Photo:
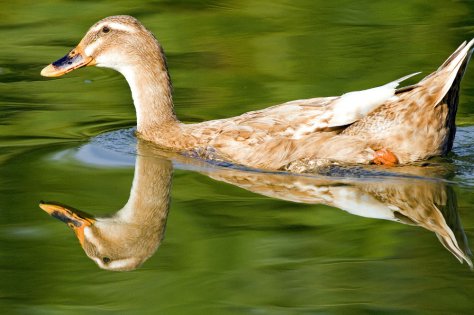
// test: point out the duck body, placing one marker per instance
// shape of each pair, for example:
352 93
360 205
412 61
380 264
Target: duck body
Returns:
381 125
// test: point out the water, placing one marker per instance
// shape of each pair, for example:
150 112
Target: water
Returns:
236 241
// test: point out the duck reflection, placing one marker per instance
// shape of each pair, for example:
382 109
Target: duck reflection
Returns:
126 239
129 237
427 203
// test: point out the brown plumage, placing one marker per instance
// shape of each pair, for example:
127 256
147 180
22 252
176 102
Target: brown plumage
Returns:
378 125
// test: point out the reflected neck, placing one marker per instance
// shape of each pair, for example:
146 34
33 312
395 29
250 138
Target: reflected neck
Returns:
149 199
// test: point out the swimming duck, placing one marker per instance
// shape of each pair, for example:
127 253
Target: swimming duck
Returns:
381 125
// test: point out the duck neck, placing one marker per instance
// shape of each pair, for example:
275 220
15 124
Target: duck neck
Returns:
151 88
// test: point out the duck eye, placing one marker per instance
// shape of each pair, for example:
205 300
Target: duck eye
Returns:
106 260
105 29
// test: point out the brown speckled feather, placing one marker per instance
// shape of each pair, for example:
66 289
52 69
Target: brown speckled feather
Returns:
421 122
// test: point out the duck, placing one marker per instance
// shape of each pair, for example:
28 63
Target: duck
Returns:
385 125
125 240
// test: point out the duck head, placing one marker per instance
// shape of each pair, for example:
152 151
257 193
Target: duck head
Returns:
115 42
123 44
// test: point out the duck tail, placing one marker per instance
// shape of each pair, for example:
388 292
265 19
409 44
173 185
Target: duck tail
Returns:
442 86
460 53
446 80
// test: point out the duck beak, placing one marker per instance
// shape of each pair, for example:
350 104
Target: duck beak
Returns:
75 59
75 219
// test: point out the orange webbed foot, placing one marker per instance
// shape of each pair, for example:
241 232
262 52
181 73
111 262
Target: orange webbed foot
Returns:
385 157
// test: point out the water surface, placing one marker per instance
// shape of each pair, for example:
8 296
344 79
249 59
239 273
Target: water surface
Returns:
236 241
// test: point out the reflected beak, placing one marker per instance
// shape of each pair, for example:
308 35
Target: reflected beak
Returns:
75 219
75 59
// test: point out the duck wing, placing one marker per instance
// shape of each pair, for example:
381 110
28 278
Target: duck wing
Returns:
299 118
277 135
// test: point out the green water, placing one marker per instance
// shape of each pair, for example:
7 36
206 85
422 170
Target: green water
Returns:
235 241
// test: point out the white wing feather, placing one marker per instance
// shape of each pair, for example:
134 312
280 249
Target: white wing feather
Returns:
349 107
353 106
